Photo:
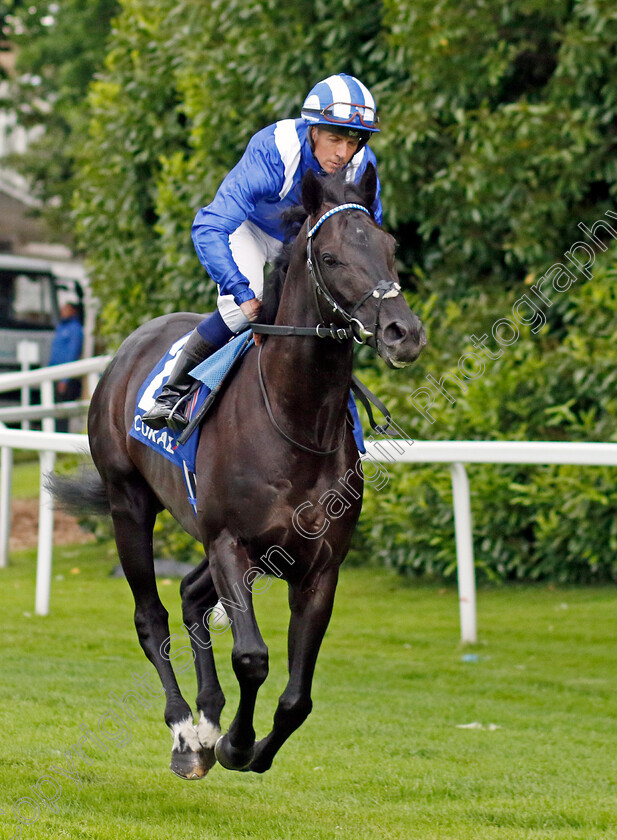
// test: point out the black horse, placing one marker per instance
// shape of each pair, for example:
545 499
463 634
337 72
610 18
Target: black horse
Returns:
269 457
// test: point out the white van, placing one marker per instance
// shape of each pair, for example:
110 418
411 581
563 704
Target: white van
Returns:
31 294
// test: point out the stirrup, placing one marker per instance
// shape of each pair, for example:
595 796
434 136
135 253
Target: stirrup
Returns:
177 420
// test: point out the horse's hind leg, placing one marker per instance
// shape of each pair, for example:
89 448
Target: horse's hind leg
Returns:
229 563
133 510
198 598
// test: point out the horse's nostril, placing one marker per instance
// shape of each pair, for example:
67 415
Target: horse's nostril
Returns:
395 332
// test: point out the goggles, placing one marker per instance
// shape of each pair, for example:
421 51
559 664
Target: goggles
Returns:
367 115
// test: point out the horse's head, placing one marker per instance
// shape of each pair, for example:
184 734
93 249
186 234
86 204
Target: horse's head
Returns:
353 268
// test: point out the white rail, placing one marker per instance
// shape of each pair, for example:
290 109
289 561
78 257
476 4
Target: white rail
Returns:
455 453
499 452
38 412
47 443
460 452
42 376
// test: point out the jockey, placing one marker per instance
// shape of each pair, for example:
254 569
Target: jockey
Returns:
241 230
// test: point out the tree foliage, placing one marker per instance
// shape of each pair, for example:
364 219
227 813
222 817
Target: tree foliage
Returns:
60 47
498 136
182 95
498 130
529 522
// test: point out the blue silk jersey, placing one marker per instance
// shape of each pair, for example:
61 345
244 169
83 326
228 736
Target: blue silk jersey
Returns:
263 184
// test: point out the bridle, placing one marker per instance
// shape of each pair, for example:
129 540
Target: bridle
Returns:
359 333
355 329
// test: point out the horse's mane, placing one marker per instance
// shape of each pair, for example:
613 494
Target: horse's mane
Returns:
336 191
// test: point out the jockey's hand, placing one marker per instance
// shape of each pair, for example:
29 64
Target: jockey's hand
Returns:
251 309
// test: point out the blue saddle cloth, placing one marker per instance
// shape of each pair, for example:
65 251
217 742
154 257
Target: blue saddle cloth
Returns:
209 373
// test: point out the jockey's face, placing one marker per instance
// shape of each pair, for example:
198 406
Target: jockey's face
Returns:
332 150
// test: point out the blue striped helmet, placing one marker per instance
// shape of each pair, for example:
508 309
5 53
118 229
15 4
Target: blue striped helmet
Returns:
341 100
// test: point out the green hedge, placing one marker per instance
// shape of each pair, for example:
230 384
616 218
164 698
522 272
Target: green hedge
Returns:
529 522
497 131
498 138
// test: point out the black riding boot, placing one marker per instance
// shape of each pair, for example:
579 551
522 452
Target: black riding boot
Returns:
178 385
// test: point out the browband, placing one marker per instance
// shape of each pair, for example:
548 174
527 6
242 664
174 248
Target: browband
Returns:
334 210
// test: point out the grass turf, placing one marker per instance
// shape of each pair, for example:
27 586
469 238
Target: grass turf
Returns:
381 755
26 472
26 480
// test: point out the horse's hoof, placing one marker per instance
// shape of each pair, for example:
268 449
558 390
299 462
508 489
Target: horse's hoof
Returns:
261 761
260 765
229 757
192 765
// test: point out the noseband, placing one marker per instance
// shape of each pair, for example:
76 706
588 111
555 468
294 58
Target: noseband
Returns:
355 328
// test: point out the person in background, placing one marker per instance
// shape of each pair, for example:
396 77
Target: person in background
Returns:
66 347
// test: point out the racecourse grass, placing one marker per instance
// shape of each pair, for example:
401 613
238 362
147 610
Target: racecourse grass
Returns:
380 757
26 480
27 476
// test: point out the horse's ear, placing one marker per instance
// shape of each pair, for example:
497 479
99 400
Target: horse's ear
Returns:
312 193
368 185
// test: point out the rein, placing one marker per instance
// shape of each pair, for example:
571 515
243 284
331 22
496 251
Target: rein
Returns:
284 434
355 330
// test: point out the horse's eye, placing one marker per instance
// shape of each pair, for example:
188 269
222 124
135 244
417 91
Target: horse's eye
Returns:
328 259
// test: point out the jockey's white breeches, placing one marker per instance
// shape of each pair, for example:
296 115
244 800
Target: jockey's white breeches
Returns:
251 249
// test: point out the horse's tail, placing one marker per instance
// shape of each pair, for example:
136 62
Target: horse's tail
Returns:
82 493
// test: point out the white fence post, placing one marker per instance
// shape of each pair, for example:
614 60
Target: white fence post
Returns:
46 510
464 553
47 401
46 536
47 443
27 354
6 486
92 380
459 452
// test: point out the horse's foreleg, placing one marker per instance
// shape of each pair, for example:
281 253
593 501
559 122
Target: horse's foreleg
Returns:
133 510
229 563
198 598
310 613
